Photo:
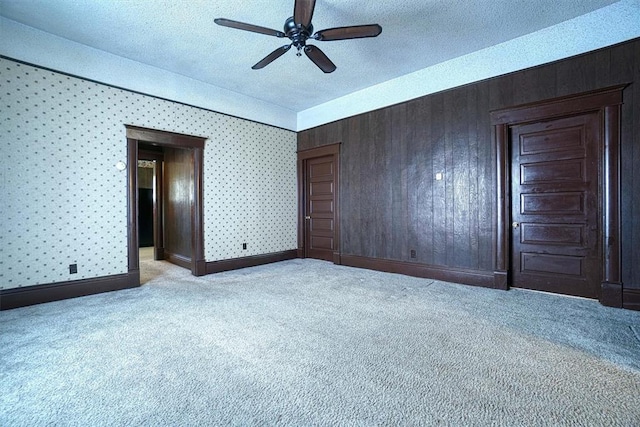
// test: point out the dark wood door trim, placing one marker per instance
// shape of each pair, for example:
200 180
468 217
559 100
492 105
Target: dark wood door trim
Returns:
303 156
137 135
607 103
198 263
132 208
164 138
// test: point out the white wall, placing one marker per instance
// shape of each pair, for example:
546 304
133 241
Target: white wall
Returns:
63 200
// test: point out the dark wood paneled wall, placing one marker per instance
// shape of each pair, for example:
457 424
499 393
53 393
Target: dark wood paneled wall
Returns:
178 195
391 202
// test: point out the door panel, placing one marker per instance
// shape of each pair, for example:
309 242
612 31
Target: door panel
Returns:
320 208
564 203
552 234
555 244
558 171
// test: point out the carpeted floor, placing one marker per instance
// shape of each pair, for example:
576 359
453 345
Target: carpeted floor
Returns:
305 342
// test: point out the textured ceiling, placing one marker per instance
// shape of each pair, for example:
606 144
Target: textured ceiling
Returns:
180 36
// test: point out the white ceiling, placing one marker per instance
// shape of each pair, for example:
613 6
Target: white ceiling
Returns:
180 37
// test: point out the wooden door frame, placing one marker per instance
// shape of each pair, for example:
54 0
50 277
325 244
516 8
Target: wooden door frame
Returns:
137 135
303 157
607 103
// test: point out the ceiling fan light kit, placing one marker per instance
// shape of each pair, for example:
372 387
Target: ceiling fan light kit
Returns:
299 29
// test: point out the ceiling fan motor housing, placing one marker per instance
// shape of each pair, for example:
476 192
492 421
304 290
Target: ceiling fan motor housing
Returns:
298 34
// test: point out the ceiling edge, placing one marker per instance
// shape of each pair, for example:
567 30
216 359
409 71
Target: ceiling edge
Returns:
607 26
33 46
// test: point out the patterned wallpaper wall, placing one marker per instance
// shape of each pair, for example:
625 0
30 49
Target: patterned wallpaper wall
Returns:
64 201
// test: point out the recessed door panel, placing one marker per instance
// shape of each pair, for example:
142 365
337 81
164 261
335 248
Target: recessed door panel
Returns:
560 203
322 225
553 172
552 234
321 170
321 188
551 140
321 243
320 207
552 265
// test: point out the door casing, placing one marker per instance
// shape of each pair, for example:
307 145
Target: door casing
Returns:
135 136
607 103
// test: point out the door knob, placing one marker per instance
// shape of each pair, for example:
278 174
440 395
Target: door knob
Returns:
307 217
515 224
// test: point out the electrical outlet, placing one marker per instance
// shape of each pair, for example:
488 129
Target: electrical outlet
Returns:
73 268
413 253
244 246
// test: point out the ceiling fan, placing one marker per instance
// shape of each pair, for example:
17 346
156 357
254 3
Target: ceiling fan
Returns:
299 29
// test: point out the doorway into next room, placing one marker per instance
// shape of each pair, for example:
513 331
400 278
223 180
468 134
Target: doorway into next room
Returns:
177 201
149 164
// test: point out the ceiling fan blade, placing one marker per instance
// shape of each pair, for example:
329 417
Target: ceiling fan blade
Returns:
320 59
272 57
248 27
303 12
344 33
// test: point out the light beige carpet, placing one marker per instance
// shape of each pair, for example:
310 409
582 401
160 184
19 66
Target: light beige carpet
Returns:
305 342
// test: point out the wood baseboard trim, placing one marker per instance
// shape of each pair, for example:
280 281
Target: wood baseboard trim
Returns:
446 274
250 261
337 258
176 259
201 268
611 294
631 299
501 280
37 294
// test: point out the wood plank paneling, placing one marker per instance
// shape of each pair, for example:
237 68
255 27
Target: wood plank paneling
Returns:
419 181
392 202
382 195
632 131
472 170
349 194
368 181
178 195
399 212
624 67
458 159
485 166
438 159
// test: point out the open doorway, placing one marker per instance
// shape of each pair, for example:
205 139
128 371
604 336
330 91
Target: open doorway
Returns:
146 199
150 202
177 205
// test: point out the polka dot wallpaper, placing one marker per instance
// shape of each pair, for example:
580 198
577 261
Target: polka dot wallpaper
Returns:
64 201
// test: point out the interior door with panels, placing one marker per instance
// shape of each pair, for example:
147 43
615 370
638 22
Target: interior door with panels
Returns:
558 195
320 208
318 195
554 205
